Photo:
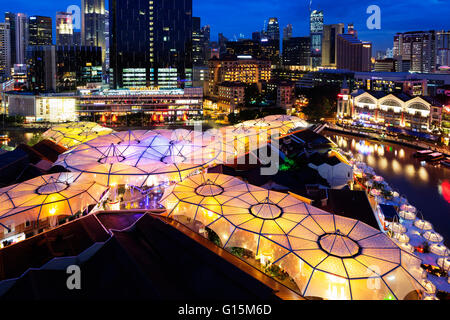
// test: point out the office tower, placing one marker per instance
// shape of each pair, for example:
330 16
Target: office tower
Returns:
22 36
296 51
63 68
316 32
206 32
40 31
418 49
93 24
106 62
150 45
64 29
287 32
256 36
442 48
198 56
273 29
389 53
329 44
353 54
5 50
10 18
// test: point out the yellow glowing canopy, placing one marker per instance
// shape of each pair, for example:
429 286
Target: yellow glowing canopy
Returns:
328 256
49 195
75 133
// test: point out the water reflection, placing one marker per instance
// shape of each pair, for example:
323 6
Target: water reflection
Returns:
426 186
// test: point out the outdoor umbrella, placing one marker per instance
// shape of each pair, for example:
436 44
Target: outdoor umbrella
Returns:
433 236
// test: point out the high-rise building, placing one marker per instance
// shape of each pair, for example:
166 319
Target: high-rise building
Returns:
22 36
40 31
246 70
198 43
287 32
222 43
93 24
273 29
329 43
5 50
316 33
416 49
206 32
150 45
64 29
296 51
10 18
353 54
442 48
256 36
63 68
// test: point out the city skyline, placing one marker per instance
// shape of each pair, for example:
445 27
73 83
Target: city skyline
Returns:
251 16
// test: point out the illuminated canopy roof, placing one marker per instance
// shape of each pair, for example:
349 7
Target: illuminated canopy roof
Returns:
75 133
49 195
328 256
132 157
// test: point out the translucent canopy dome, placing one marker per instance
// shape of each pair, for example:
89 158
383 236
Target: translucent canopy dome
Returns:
327 256
75 133
49 195
134 156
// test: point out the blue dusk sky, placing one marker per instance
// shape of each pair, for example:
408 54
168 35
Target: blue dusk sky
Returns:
235 17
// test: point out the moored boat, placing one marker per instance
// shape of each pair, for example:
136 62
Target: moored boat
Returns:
422 154
435 157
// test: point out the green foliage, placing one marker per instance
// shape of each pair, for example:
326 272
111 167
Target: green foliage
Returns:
322 102
276 272
37 137
213 237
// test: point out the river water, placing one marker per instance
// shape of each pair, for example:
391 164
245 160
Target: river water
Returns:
426 186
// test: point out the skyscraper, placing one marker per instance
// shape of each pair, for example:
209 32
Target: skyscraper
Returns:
10 18
287 32
198 56
329 43
64 29
296 51
22 36
40 31
150 45
93 24
417 50
442 48
316 32
273 29
353 54
5 50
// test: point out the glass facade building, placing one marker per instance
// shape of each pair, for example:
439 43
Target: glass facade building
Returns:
316 32
40 31
151 36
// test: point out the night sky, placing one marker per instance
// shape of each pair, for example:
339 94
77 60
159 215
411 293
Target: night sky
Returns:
233 17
